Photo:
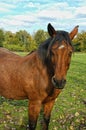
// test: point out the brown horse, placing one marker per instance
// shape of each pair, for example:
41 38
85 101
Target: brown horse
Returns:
40 76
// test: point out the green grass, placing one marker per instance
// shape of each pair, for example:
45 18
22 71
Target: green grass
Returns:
22 53
69 112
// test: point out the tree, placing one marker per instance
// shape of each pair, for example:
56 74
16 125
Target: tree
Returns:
80 41
23 41
22 37
9 37
40 36
32 44
26 40
1 37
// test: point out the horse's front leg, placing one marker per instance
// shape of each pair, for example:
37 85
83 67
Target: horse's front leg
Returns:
47 113
34 110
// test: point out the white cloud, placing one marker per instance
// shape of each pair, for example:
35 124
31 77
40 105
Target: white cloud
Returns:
4 10
81 10
61 14
28 17
32 5
4 7
17 22
58 14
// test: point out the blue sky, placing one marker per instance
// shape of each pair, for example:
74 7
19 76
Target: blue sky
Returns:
31 15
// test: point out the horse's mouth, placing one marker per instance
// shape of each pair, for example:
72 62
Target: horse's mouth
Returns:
58 84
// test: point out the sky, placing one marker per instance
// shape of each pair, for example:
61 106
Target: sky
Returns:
32 15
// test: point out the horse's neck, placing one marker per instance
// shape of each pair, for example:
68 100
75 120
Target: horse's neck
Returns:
30 58
46 68
33 61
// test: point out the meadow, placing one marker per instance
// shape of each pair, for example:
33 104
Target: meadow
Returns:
69 112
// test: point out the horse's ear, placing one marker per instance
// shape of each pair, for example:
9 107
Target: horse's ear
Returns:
73 32
51 30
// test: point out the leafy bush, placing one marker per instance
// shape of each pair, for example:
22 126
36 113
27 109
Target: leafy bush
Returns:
14 47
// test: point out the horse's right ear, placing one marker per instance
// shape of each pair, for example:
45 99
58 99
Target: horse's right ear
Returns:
51 30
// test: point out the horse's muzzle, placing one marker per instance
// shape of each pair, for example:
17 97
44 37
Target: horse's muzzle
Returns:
59 84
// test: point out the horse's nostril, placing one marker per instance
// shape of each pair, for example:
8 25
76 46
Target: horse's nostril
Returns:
58 83
54 80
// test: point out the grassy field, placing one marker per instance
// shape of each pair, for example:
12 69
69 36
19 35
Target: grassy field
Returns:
69 112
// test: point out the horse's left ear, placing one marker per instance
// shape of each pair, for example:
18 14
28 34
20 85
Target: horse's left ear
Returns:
73 32
51 30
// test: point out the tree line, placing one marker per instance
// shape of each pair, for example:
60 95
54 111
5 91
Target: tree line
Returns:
24 41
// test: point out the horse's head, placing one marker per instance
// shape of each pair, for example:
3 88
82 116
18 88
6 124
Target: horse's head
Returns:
60 50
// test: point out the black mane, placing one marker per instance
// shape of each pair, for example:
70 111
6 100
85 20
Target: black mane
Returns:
45 47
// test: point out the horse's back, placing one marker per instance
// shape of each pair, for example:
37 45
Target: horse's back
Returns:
10 75
4 50
6 53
